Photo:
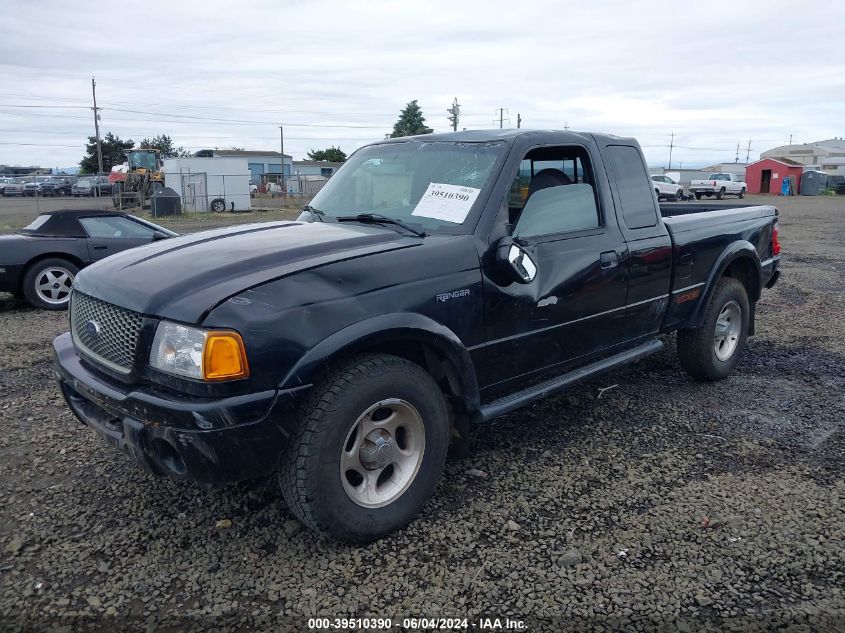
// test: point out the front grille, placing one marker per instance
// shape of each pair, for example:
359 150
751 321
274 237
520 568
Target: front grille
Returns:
105 332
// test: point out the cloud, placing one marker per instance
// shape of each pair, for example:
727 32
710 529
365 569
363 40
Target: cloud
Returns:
715 74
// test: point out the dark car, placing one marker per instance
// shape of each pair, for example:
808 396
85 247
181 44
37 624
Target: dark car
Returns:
92 186
434 281
40 262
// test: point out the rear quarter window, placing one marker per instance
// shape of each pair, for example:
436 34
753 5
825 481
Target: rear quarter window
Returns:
634 186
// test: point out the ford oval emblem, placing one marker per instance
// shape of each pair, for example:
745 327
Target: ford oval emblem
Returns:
92 328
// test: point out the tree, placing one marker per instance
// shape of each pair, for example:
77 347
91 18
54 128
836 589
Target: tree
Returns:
114 153
411 121
164 144
332 154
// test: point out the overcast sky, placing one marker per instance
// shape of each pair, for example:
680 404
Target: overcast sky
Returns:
220 74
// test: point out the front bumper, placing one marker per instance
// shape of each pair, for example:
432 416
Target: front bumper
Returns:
211 441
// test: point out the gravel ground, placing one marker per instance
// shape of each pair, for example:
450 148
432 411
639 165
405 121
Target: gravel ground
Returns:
661 504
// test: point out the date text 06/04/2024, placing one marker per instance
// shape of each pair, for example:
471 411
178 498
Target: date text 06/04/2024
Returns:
417 624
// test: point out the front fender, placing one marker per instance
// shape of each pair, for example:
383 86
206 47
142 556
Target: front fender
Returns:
741 249
387 328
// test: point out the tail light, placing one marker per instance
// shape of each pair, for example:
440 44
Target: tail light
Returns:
775 241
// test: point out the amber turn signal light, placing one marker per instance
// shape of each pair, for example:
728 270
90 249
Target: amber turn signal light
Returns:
224 357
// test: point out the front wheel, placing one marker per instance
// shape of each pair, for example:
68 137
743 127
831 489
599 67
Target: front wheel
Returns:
368 451
711 351
47 283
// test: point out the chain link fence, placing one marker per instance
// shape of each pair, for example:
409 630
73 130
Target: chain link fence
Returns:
22 198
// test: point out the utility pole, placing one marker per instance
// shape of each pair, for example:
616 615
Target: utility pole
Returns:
566 126
790 139
454 114
518 120
748 152
97 126
671 146
282 150
736 160
502 116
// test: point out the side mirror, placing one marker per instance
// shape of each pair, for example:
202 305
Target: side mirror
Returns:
516 261
158 235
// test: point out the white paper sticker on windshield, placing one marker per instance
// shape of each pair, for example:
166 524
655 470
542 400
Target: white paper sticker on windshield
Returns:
450 203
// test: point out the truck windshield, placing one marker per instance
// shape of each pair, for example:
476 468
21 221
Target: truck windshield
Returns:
432 186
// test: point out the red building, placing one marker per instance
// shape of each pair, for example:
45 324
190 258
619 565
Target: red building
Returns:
767 174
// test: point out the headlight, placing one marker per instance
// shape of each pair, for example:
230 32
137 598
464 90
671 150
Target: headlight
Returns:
197 353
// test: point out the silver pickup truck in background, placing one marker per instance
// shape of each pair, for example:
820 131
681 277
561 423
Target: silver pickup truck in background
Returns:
719 185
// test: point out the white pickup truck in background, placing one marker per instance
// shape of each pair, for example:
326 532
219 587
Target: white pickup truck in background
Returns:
719 185
667 189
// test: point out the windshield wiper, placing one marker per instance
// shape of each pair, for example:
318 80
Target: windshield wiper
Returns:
315 212
377 218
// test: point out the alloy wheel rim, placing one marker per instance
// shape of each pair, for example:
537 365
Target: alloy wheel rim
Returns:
382 453
53 285
728 327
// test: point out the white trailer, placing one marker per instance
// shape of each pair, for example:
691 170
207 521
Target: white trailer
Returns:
209 184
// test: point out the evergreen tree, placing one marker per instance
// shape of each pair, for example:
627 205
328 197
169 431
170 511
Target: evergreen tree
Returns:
114 153
411 121
331 154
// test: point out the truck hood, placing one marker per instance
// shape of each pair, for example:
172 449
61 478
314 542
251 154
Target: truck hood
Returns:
184 277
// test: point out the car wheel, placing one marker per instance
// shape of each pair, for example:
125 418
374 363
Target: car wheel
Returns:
369 449
218 205
47 283
721 194
679 196
711 352
698 196
742 193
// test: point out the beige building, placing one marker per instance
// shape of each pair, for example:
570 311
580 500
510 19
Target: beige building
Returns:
827 156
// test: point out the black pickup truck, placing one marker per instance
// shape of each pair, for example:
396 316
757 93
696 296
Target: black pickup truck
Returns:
435 281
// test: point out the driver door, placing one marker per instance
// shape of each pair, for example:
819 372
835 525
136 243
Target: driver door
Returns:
575 304
110 234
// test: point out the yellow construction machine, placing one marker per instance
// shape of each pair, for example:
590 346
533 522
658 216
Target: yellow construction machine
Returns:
142 179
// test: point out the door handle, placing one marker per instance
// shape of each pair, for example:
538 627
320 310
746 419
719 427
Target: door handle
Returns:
100 247
609 259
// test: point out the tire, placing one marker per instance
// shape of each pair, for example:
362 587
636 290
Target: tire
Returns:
698 196
741 193
701 353
657 193
218 205
721 194
40 283
679 196
333 501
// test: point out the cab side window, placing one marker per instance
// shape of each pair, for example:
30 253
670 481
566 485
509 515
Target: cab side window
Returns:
553 193
626 164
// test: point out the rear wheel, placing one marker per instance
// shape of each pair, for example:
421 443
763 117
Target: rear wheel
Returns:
742 193
698 196
721 194
679 195
711 352
368 451
218 205
47 283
